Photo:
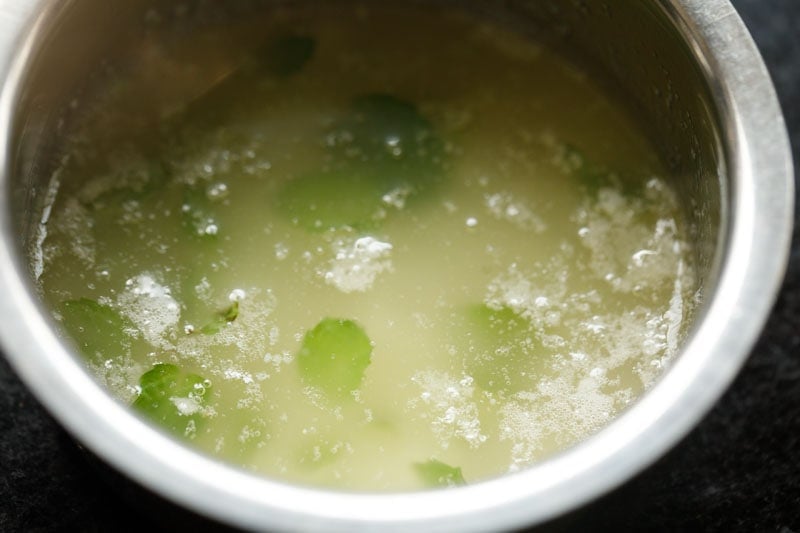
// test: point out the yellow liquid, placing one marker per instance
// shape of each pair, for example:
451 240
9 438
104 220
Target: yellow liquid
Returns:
552 217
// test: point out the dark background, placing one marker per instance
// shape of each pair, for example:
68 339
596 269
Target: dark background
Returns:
738 471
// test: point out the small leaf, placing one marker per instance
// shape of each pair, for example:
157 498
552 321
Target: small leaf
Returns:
224 317
334 356
327 200
99 330
172 398
287 55
391 141
381 146
438 474
500 349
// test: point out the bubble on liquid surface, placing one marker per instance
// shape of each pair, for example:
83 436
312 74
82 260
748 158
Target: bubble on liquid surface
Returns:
357 263
217 191
504 206
151 307
186 406
397 197
449 406
237 295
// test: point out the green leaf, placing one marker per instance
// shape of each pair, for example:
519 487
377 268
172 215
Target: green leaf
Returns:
500 355
287 55
382 145
437 474
172 398
98 329
223 318
336 199
334 356
391 141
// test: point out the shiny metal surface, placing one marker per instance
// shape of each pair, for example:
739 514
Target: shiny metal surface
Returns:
709 99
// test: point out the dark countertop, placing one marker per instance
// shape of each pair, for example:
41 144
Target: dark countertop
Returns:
739 470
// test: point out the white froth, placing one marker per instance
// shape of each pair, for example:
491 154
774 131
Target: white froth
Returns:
357 264
397 197
674 315
151 307
626 251
450 407
236 374
503 206
186 406
558 411
529 294
237 295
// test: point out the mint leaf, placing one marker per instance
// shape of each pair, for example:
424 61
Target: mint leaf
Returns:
98 329
334 356
382 145
438 474
287 55
500 354
391 141
172 398
335 199
223 318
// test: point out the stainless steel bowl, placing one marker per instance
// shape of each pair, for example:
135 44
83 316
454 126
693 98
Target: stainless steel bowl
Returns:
687 67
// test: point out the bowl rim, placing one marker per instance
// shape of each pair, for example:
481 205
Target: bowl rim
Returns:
757 234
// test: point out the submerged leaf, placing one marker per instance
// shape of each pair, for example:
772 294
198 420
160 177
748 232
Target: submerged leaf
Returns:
500 349
381 148
336 199
172 398
391 141
334 356
438 474
224 317
99 330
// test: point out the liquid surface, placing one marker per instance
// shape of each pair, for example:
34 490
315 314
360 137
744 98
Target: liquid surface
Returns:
360 260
